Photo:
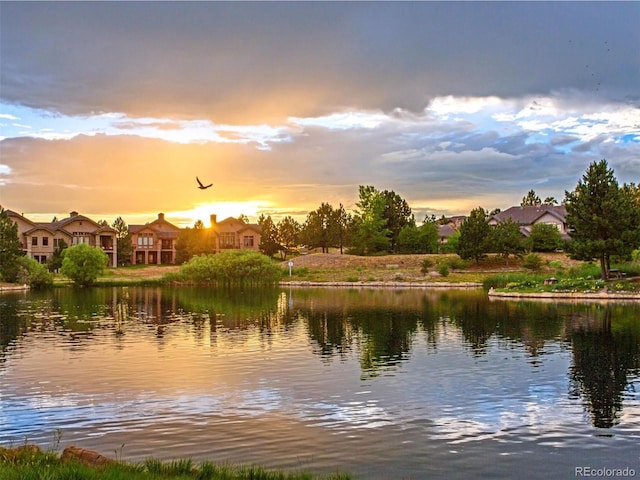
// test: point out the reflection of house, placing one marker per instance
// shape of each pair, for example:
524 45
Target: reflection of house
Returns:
39 239
233 233
531 215
154 243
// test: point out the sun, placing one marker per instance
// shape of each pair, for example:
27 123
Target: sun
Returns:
222 210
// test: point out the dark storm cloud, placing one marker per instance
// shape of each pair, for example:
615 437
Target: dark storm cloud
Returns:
243 60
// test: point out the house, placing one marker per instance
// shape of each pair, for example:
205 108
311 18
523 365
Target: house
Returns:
40 239
154 243
444 232
530 215
233 233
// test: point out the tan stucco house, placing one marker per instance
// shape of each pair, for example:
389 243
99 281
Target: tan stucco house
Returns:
234 233
155 242
40 239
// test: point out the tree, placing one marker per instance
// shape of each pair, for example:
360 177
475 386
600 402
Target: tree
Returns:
601 217
10 247
506 239
422 239
123 241
83 264
398 215
474 236
544 237
268 236
550 201
288 232
530 199
194 241
370 233
341 223
631 198
55 260
319 229
34 273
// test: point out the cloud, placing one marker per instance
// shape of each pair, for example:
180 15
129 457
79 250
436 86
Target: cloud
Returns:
288 104
233 62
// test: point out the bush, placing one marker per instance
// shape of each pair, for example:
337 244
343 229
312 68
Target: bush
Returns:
532 262
443 269
231 267
33 273
426 265
83 264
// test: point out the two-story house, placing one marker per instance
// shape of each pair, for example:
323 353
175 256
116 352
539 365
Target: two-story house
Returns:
40 239
234 233
530 215
155 242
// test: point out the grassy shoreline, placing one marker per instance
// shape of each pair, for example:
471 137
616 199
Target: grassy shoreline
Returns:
28 462
408 271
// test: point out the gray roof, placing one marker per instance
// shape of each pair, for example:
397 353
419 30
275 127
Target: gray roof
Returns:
529 214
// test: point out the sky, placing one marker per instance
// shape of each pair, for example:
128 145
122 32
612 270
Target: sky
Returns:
113 108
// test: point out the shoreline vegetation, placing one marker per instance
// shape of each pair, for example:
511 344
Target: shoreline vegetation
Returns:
554 276
30 462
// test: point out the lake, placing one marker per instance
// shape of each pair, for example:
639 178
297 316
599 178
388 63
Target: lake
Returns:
379 383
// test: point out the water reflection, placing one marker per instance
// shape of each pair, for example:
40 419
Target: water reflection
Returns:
411 367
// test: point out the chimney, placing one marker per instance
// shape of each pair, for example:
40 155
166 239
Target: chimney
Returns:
73 214
161 216
213 219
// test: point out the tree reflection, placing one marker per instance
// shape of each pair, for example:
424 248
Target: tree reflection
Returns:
605 352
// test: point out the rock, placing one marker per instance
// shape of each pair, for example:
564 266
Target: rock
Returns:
85 456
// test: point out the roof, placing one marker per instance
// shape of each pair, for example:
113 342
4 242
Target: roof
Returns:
445 230
527 215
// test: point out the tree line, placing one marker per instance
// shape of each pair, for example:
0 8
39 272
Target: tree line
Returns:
603 218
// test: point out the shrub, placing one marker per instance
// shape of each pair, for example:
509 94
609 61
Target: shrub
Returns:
426 265
231 267
33 273
585 270
83 264
443 270
532 262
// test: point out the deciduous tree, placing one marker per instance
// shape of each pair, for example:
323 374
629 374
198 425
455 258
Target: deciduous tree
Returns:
370 233
83 264
506 239
544 237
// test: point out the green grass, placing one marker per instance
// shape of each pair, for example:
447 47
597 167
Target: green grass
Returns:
30 463
582 278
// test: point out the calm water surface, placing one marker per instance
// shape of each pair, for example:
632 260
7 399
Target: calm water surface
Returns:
383 384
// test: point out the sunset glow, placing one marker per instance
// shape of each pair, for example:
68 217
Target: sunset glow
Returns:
281 121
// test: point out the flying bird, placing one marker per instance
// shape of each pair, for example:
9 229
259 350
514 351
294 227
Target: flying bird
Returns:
201 186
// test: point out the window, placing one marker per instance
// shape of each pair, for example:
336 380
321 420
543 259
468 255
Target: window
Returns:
145 240
80 237
227 240
248 240
45 241
34 241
